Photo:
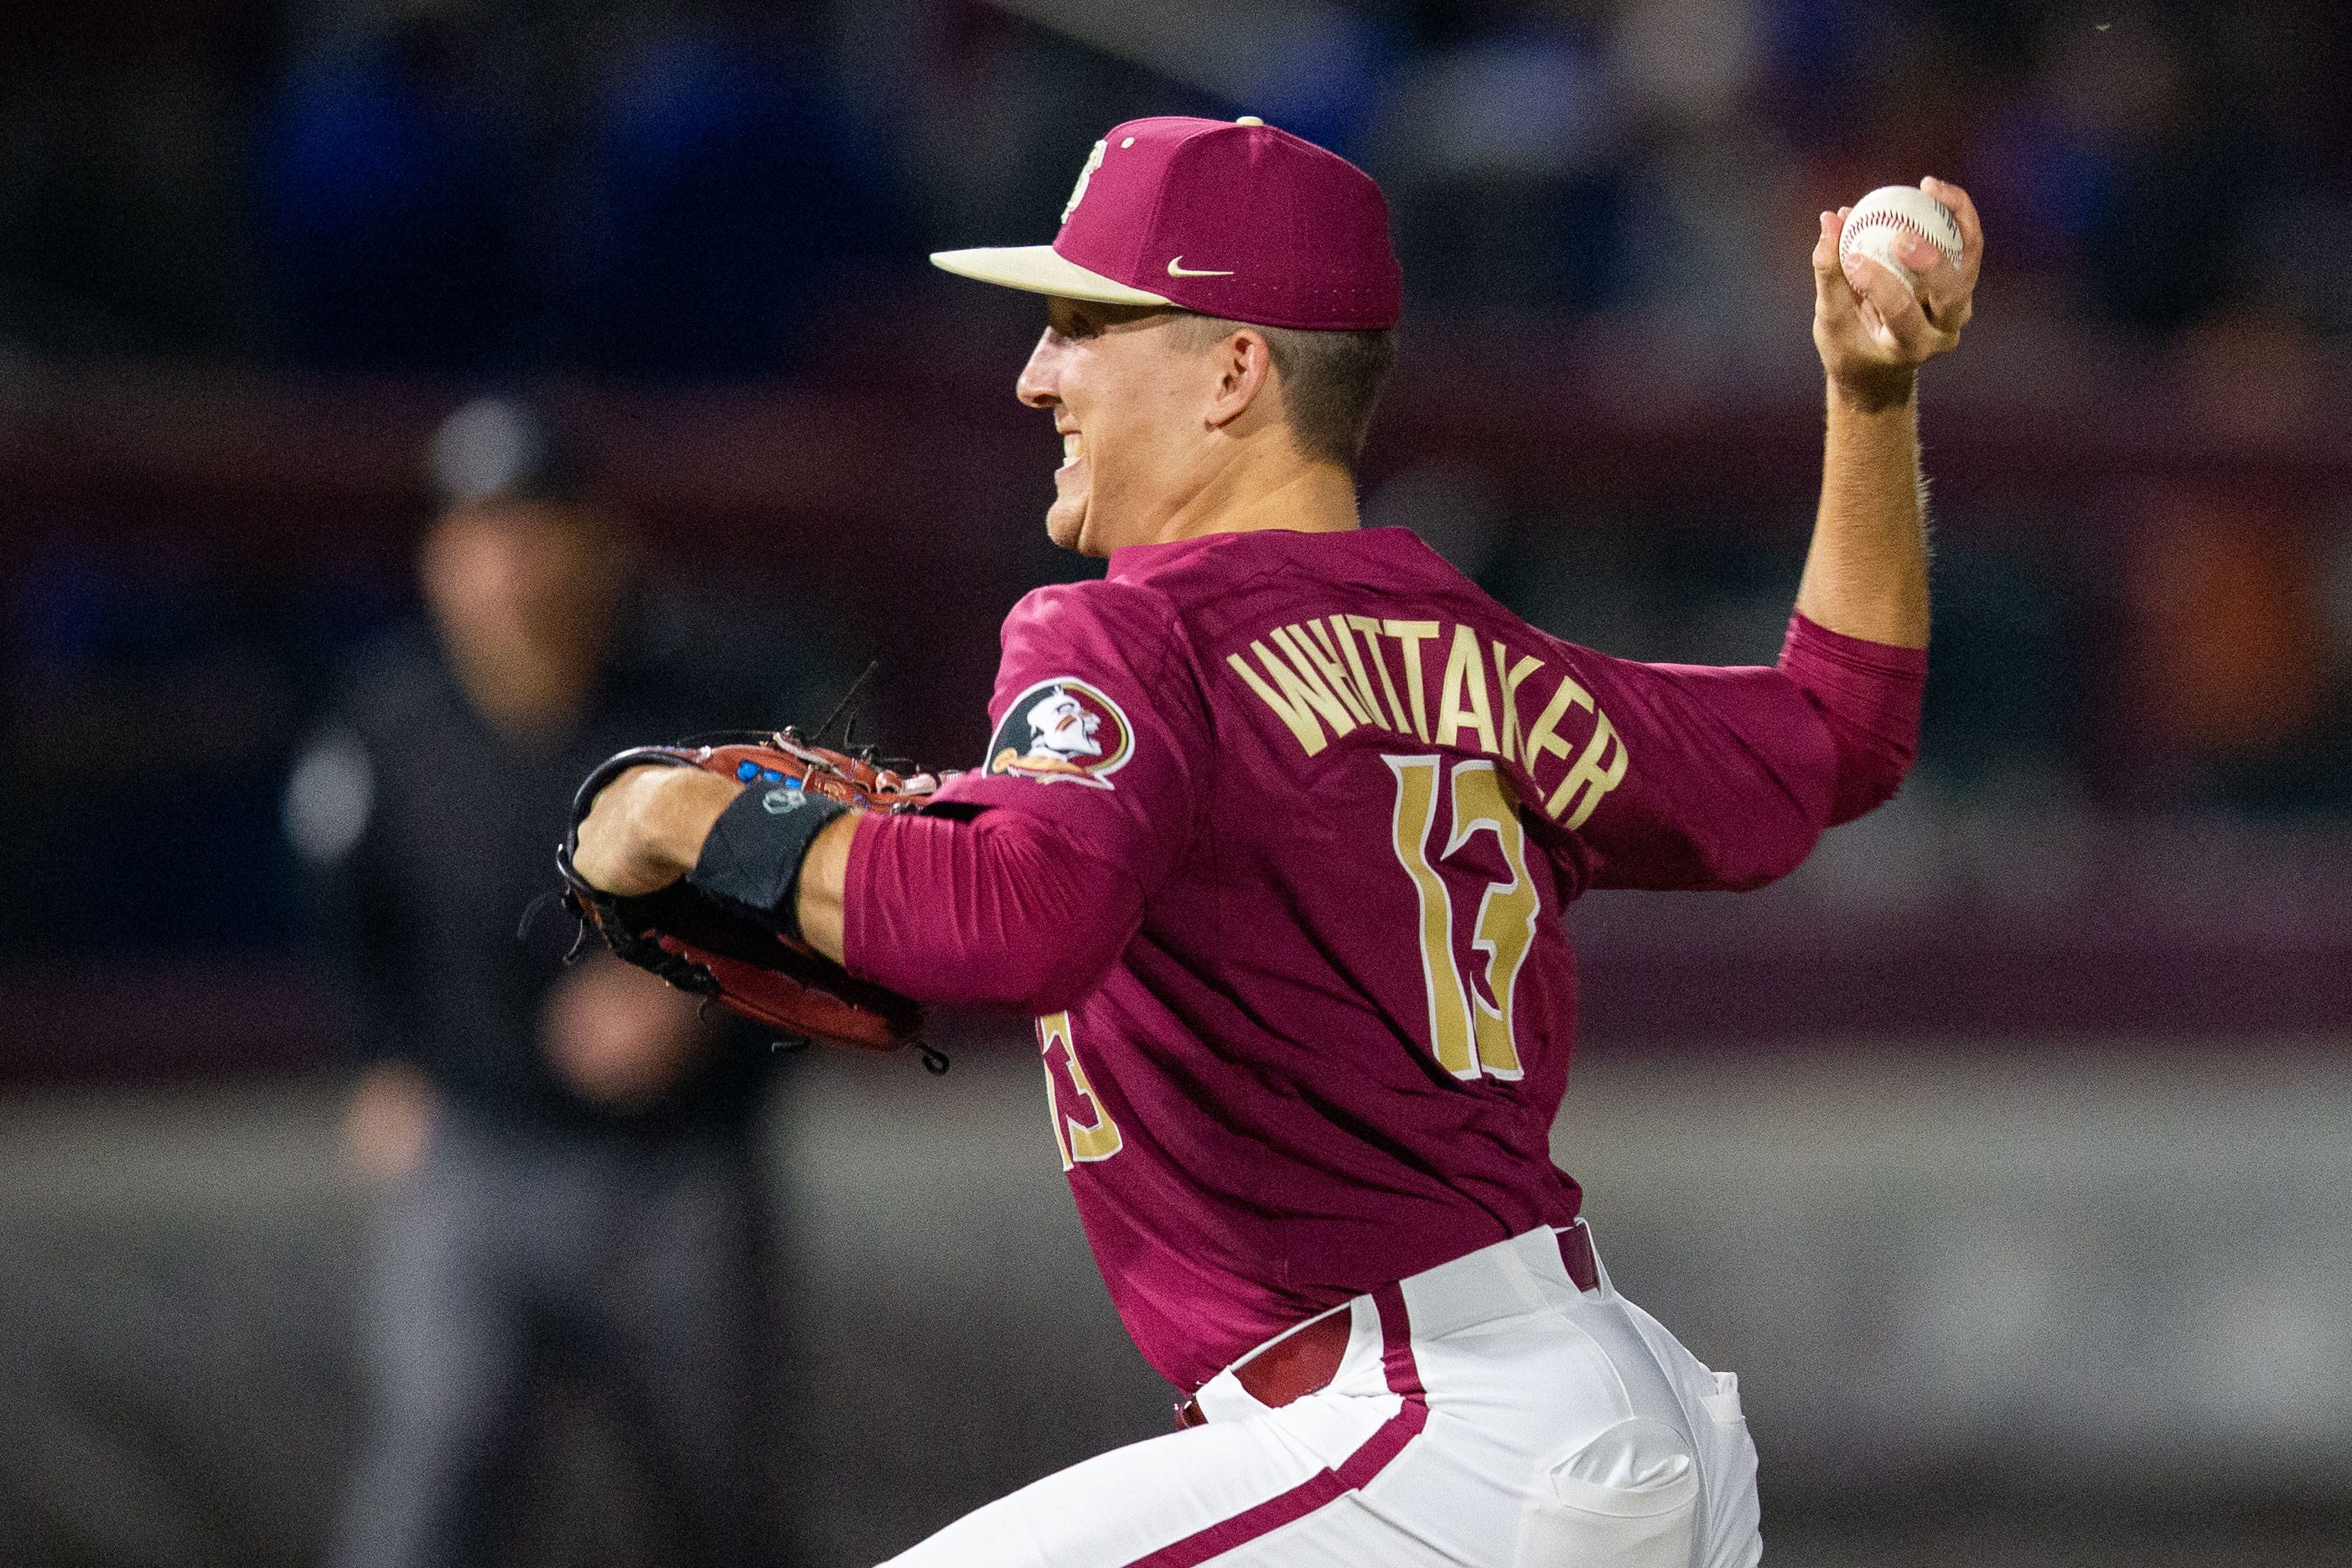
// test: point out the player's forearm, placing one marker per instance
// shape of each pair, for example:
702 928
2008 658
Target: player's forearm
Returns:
1005 910
1866 574
824 876
649 827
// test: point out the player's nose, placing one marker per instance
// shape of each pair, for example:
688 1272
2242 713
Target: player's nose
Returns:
1035 386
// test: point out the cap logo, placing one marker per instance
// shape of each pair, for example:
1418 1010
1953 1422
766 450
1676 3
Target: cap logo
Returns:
1176 268
1078 191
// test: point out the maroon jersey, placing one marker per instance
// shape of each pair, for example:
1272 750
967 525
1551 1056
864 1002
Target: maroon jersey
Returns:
1289 822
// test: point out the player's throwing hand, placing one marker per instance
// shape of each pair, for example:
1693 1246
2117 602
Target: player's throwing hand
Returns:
1872 330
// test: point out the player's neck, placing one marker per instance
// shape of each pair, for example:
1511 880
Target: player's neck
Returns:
1293 495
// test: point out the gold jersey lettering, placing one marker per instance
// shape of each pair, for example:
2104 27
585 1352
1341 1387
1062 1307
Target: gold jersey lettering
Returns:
1597 770
1506 910
1450 1039
1303 695
1322 684
1465 677
1545 737
1347 645
1509 678
1468 1033
1591 778
1324 654
1083 1130
1333 705
1370 628
1410 635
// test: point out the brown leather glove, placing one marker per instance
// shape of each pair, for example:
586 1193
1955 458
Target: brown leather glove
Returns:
720 950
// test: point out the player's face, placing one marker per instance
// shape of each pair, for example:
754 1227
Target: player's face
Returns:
1127 396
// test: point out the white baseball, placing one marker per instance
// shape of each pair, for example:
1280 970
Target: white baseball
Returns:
1881 220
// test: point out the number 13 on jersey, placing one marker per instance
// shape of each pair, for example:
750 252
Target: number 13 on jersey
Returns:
1469 1028
1469 1024
1083 1130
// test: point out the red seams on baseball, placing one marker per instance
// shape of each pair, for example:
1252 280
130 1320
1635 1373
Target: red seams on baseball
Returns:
1876 224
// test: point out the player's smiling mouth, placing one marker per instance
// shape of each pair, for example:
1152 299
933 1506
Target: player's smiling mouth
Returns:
1073 448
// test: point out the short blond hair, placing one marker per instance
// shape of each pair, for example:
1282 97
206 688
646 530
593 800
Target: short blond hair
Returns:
1330 380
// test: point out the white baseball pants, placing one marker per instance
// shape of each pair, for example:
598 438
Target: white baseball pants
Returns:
1488 1414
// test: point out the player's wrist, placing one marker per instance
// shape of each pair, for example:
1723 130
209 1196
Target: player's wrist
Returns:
749 854
1873 389
820 895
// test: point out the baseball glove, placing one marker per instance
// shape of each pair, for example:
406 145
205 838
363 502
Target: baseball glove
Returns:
698 946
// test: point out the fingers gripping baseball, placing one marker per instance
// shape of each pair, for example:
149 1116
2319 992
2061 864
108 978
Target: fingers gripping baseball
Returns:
1874 323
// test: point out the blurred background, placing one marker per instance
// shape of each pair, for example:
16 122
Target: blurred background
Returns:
2005 1150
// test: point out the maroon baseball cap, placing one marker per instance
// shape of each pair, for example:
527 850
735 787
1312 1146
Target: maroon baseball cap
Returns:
1231 219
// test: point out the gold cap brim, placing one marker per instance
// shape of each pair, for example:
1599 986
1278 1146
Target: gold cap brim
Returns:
1041 269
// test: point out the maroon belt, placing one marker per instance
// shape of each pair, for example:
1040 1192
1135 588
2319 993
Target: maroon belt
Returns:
1301 1361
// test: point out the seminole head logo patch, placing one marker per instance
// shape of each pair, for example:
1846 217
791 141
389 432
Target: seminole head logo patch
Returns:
1062 730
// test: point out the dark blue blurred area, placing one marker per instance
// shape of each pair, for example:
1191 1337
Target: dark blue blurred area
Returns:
390 201
681 193
694 211
725 192
153 701
318 228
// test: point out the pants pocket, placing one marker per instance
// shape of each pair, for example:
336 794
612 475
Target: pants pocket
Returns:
1628 1498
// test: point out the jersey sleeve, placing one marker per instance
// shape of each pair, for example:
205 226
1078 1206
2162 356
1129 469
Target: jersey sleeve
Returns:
1021 886
1870 694
1732 774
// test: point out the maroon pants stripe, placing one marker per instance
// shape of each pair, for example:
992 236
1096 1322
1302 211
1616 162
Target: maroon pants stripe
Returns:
1357 1470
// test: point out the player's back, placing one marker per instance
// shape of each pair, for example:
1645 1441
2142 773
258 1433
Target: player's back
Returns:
1332 1054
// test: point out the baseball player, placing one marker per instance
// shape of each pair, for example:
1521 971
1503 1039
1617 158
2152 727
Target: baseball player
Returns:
1273 836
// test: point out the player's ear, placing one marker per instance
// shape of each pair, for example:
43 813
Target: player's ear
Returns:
1244 365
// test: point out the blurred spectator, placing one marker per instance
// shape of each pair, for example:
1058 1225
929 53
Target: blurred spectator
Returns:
567 1156
2229 588
2230 608
389 202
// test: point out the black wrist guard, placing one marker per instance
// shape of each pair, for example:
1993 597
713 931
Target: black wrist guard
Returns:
751 861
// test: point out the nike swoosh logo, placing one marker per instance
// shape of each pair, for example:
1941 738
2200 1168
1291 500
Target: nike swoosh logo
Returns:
1176 268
